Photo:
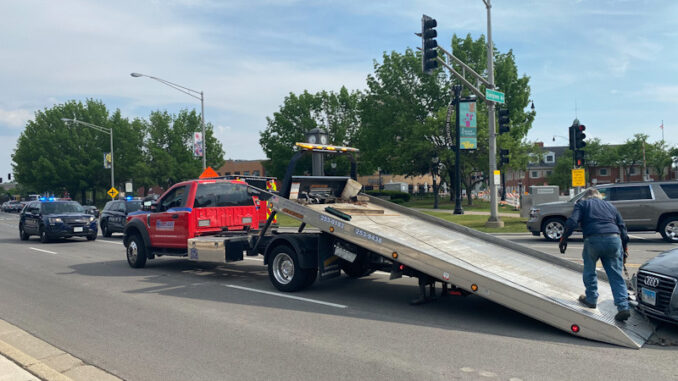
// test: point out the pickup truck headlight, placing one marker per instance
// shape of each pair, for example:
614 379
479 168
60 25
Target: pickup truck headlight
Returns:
55 220
534 212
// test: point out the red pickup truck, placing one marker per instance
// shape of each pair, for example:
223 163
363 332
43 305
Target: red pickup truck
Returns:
187 210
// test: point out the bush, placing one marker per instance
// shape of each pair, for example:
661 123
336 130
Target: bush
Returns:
396 197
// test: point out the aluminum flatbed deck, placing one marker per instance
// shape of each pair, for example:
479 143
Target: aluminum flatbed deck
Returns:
536 284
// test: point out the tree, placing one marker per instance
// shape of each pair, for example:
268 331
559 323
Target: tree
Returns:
561 175
336 113
659 158
169 147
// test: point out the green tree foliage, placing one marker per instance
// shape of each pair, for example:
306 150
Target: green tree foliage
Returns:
336 113
561 175
58 157
54 156
169 147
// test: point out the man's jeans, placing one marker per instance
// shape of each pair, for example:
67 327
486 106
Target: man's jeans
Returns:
607 248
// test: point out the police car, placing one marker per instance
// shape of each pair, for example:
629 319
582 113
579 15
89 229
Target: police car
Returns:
51 218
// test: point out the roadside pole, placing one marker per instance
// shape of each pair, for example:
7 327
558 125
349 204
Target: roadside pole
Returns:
457 155
493 221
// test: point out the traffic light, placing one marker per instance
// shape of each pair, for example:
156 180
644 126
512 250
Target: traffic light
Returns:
503 156
429 44
579 160
579 136
9 177
504 121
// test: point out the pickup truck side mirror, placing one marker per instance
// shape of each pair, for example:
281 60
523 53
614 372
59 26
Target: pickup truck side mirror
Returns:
150 206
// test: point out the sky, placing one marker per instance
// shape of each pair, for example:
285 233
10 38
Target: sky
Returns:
613 64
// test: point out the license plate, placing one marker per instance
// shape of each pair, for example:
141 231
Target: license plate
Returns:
77 229
648 296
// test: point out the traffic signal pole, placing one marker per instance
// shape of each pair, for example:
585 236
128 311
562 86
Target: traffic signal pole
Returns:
493 221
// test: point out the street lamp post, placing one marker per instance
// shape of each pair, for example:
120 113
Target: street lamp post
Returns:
105 130
192 93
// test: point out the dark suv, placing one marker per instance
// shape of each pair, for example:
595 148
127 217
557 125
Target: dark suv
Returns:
114 215
644 206
51 219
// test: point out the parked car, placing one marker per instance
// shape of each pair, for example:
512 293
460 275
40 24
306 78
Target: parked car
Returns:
50 219
655 285
644 207
12 206
91 209
114 215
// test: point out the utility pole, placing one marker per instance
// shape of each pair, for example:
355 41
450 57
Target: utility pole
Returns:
494 220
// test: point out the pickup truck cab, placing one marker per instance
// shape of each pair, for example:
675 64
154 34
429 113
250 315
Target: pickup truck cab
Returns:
187 210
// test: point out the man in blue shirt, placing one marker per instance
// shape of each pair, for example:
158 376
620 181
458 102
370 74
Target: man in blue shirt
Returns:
605 237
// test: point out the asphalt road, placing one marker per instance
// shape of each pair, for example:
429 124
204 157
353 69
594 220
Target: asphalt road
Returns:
177 320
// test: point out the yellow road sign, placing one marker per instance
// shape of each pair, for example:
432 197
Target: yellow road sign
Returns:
112 192
579 177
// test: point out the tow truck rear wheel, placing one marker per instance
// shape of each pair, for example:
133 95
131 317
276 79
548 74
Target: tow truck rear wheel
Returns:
284 270
136 252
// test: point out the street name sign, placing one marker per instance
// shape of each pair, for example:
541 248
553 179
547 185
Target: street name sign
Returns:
495 96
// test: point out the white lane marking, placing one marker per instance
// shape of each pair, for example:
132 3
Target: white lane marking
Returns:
116 242
287 296
44 251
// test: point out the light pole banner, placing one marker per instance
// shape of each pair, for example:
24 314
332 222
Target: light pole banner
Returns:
197 144
468 125
107 160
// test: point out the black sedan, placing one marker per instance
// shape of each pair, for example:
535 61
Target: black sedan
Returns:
52 219
655 286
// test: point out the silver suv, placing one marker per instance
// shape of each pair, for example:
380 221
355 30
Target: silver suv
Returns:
644 206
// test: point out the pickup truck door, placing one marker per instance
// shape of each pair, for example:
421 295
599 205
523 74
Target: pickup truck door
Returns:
168 225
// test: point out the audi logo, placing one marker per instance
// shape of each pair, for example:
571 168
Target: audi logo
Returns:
651 281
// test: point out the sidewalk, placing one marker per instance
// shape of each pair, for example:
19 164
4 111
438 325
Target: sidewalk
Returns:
25 357
470 212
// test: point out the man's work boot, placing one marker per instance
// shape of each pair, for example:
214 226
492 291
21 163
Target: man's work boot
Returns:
622 315
582 300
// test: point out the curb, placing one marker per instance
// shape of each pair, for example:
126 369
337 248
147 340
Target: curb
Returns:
43 360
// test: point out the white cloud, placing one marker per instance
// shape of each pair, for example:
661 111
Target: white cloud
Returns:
15 118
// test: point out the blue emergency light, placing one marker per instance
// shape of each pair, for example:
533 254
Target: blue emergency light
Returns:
128 198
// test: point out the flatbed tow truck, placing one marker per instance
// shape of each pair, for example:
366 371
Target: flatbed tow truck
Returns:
359 234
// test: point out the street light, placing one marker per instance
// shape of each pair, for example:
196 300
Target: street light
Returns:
105 130
191 93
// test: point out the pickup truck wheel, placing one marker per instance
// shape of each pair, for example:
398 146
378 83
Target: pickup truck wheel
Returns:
553 229
669 229
136 252
104 230
284 270
22 233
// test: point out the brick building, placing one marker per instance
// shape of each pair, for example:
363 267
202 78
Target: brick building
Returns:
242 167
540 169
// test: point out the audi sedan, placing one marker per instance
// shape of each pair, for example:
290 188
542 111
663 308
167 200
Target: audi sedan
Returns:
655 285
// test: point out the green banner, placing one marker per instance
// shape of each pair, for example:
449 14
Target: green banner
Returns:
468 125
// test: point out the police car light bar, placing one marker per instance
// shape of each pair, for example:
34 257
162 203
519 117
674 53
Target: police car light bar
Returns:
325 148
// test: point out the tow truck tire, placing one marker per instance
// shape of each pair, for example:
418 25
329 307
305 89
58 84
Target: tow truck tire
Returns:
356 269
22 233
553 228
669 229
136 252
284 271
